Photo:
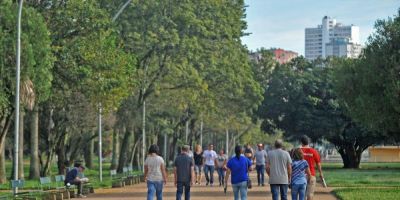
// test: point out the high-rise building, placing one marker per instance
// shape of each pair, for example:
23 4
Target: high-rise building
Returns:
332 39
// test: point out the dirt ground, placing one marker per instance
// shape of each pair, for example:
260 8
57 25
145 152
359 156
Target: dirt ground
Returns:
198 192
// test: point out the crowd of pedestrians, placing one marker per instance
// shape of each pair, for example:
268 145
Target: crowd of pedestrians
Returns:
294 170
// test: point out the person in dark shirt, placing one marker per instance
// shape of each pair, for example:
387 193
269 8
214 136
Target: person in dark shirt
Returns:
183 173
72 178
198 163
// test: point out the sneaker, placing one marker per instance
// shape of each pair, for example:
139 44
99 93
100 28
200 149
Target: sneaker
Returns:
263 184
211 184
207 183
81 196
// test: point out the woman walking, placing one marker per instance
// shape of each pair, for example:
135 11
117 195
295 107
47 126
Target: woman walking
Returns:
238 166
154 173
299 179
198 163
221 166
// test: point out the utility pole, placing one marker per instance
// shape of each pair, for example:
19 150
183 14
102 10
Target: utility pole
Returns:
18 71
100 147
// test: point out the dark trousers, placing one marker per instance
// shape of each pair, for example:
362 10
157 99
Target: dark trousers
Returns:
260 174
221 175
78 184
180 189
209 178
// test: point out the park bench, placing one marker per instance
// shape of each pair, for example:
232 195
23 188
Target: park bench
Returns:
24 194
116 180
50 191
60 185
135 178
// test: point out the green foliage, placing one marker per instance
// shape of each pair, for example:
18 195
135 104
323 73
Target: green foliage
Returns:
36 56
370 87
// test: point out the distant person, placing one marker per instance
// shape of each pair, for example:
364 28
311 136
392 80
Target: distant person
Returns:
312 157
279 170
183 173
198 163
239 167
72 178
221 166
209 156
299 179
154 173
260 157
249 152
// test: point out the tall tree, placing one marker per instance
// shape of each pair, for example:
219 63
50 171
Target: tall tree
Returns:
370 87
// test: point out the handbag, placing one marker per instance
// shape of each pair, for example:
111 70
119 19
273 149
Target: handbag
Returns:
249 184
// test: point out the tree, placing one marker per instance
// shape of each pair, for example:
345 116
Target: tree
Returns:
300 100
369 87
37 61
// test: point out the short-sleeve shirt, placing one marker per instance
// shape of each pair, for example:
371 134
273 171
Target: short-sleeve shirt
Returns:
210 156
154 165
198 158
312 157
71 175
183 164
298 172
278 161
239 168
261 156
221 160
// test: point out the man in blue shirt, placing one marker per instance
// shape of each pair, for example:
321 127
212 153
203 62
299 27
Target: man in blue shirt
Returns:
72 178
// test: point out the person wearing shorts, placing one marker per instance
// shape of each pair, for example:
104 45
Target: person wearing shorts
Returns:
312 157
198 163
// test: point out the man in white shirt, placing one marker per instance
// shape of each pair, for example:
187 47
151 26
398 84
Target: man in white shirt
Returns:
209 160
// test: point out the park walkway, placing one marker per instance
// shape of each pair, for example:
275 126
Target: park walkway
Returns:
197 192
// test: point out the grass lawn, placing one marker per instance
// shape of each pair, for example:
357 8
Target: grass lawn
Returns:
371 182
370 174
368 193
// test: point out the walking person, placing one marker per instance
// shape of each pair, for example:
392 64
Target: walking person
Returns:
183 173
312 157
299 179
209 156
261 157
198 163
249 152
239 167
154 173
279 170
221 166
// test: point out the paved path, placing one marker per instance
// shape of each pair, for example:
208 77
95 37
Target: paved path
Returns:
197 192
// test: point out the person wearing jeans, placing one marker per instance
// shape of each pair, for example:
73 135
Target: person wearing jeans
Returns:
209 160
239 167
154 188
220 164
299 179
277 189
183 173
279 169
154 173
260 156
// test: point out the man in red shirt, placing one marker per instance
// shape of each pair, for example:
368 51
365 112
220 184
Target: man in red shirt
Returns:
312 157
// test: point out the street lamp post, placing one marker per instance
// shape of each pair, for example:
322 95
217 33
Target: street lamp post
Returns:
18 72
100 147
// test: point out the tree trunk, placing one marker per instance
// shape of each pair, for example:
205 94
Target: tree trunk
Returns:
123 156
21 146
61 158
351 158
89 152
34 171
3 175
115 149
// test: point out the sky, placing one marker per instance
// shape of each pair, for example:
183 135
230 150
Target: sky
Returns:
281 23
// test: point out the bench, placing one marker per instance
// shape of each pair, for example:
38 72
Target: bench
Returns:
50 192
25 194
